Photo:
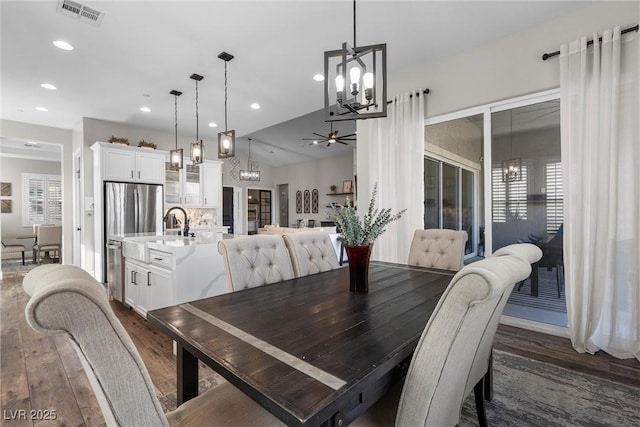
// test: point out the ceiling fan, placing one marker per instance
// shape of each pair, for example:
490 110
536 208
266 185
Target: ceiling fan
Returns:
331 138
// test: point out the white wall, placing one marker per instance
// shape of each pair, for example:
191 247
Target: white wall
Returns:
504 69
62 137
320 174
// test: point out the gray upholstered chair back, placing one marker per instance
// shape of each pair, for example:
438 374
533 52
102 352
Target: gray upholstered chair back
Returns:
256 260
311 252
49 235
438 248
67 300
530 254
441 368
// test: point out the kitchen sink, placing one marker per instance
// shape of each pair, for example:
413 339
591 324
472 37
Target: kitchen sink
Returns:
137 248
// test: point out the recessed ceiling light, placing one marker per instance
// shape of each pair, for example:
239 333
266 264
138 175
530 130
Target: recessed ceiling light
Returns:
213 125
318 77
61 44
48 86
255 106
41 109
145 109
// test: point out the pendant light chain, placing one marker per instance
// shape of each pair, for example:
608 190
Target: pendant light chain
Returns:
197 127
354 24
175 97
225 97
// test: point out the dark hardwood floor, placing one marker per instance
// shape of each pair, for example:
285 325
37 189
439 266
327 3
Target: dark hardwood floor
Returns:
43 373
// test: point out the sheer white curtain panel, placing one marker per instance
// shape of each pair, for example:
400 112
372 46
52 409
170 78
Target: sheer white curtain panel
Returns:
600 97
393 151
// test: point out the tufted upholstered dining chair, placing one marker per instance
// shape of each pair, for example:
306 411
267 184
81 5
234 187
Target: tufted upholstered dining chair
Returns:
68 301
311 252
438 248
255 260
445 366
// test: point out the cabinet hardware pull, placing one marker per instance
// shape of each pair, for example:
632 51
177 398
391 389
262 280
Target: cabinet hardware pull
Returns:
148 278
158 259
133 277
131 174
138 174
205 200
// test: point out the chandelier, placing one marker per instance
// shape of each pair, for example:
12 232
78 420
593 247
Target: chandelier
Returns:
226 139
197 148
175 156
251 173
364 94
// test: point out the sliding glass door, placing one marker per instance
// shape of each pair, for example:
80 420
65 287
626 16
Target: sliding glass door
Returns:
449 202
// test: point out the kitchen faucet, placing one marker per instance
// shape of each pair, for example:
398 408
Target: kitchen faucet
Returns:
186 219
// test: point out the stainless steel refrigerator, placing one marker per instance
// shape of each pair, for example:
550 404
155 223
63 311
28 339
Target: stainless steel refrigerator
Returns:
128 208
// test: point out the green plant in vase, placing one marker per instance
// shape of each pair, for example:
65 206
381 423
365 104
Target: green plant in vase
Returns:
358 236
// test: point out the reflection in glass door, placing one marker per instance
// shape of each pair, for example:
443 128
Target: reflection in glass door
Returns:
449 199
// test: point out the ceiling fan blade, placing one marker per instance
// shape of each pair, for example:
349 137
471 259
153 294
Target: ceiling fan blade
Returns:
340 141
347 136
347 139
328 144
321 136
313 139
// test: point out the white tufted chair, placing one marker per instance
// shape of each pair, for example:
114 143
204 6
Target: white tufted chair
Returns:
438 248
442 371
311 252
255 260
66 300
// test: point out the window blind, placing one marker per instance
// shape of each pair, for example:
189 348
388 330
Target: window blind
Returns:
554 197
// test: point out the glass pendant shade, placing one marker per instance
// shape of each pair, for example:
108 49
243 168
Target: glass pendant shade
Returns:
226 144
197 152
175 159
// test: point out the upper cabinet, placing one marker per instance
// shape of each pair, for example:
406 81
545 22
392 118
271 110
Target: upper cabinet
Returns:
194 185
129 164
212 184
183 186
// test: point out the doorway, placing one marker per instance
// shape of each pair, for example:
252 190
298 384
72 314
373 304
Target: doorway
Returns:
259 209
227 208
283 204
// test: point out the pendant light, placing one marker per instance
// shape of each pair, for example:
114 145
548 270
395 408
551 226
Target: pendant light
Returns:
175 155
226 139
512 168
197 148
364 94
252 173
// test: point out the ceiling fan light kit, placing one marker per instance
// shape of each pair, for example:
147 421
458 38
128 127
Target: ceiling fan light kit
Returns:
226 139
364 94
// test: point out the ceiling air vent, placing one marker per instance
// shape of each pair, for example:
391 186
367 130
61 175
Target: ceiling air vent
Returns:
80 11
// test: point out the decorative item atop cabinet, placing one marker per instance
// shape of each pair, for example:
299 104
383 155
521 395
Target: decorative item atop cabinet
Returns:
145 144
333 189
118 140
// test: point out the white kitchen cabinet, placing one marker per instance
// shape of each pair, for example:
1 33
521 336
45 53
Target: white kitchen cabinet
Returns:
132 164
194 185
147 287
212 184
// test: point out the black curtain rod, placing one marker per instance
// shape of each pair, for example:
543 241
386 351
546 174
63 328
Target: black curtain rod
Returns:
589 43
426 91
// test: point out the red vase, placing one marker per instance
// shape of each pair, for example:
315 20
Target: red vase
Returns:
358 257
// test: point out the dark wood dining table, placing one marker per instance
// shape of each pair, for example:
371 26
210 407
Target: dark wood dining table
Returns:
307 349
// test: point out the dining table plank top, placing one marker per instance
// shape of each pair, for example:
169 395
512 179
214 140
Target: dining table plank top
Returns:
307 349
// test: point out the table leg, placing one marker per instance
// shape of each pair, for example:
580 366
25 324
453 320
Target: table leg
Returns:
187 375
534 279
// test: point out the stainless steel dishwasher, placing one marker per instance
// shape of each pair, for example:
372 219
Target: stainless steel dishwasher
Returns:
115 270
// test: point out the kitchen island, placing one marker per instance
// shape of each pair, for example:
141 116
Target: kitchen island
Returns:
164 270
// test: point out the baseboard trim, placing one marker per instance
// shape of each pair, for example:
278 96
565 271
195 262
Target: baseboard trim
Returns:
531 325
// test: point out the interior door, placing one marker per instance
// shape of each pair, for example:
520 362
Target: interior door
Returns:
227 208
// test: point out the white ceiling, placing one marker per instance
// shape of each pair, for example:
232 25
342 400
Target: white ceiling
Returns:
144 49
